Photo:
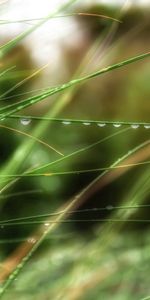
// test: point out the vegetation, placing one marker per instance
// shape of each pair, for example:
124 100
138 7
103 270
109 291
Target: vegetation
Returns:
75 176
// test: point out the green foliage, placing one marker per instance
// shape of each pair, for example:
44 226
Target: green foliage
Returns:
72 213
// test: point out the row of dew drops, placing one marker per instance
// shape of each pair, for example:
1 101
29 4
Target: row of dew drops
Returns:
116 125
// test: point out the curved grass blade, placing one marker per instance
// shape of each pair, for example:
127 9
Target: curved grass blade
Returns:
12 166
102 220
32 137
26 147
25 80
45 166
4 49
68 121
74 171
79 211
42 232
7 70
3 22
13 108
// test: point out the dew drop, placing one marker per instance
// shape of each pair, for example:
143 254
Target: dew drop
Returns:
101 124
66 122
25 121
116 125
86 123
47 224
109 207
134 126
2 226
147 126
32 240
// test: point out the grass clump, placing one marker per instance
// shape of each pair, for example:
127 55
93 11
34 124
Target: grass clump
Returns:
74 189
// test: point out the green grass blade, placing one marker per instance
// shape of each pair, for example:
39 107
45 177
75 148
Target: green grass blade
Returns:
4 49
55 222
100 123
11 109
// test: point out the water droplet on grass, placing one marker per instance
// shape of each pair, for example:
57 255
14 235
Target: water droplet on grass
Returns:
134 126
109 207
101 124
86 123
25 121
32 240
116 125
46 224
66 122
147 126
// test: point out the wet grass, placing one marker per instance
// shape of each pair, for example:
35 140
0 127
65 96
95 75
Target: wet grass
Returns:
45 190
